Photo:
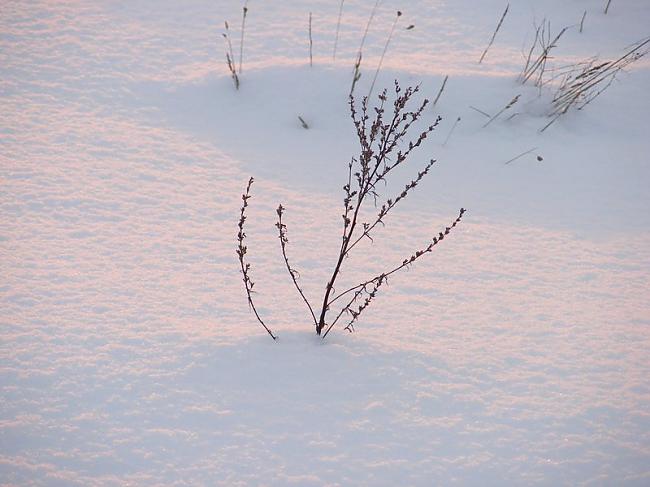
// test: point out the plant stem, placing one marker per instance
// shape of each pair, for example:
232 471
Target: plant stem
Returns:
338 26
494 34
241 38
241 252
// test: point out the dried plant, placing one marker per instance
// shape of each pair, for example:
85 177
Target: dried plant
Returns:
241 35
503 16
442 88
303 123
510 104
357 63
230 58
356 75
241 253
451 131
235 72
383 148
338 28
541 46
311 44
295 275
383 54
519 156
607 6
589 79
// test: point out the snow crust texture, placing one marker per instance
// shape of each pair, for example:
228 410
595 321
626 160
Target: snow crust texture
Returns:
516 354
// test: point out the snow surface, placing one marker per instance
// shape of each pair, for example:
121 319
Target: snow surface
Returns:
516 354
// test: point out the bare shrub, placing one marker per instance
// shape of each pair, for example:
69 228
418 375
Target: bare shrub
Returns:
383 148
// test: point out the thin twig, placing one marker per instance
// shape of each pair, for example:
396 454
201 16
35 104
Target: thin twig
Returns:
381 59
311 44
282 235
521 155
241 252
230 58
507 107
481 112
241 38
357 64
582 20
494 34
338 26
453 127
442 87
607 6
539 65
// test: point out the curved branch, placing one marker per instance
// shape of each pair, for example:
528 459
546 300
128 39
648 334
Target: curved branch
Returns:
391 203
241 252
282 230
376 281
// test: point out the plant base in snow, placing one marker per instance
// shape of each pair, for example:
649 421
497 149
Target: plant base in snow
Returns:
383 148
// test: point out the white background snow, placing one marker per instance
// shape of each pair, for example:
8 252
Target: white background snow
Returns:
515 354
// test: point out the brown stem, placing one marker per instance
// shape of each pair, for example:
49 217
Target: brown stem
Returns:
241 252
282 230
381 278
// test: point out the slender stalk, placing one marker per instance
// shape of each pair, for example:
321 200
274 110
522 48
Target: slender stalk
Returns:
357 64
481 112
503 16
304 124
521 155
295 275
453 127
444 82
241 37
381 59
539 64
241 252
607 6
338 27
230 58
365 32
507 107
582 21
311 44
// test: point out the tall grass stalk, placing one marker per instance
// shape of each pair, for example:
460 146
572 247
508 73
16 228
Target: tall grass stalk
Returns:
503 16
230 58
453 127
338 28
241 37
536 67
442 87
242 250
381 59
357 64
510 104
520 155
311 44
